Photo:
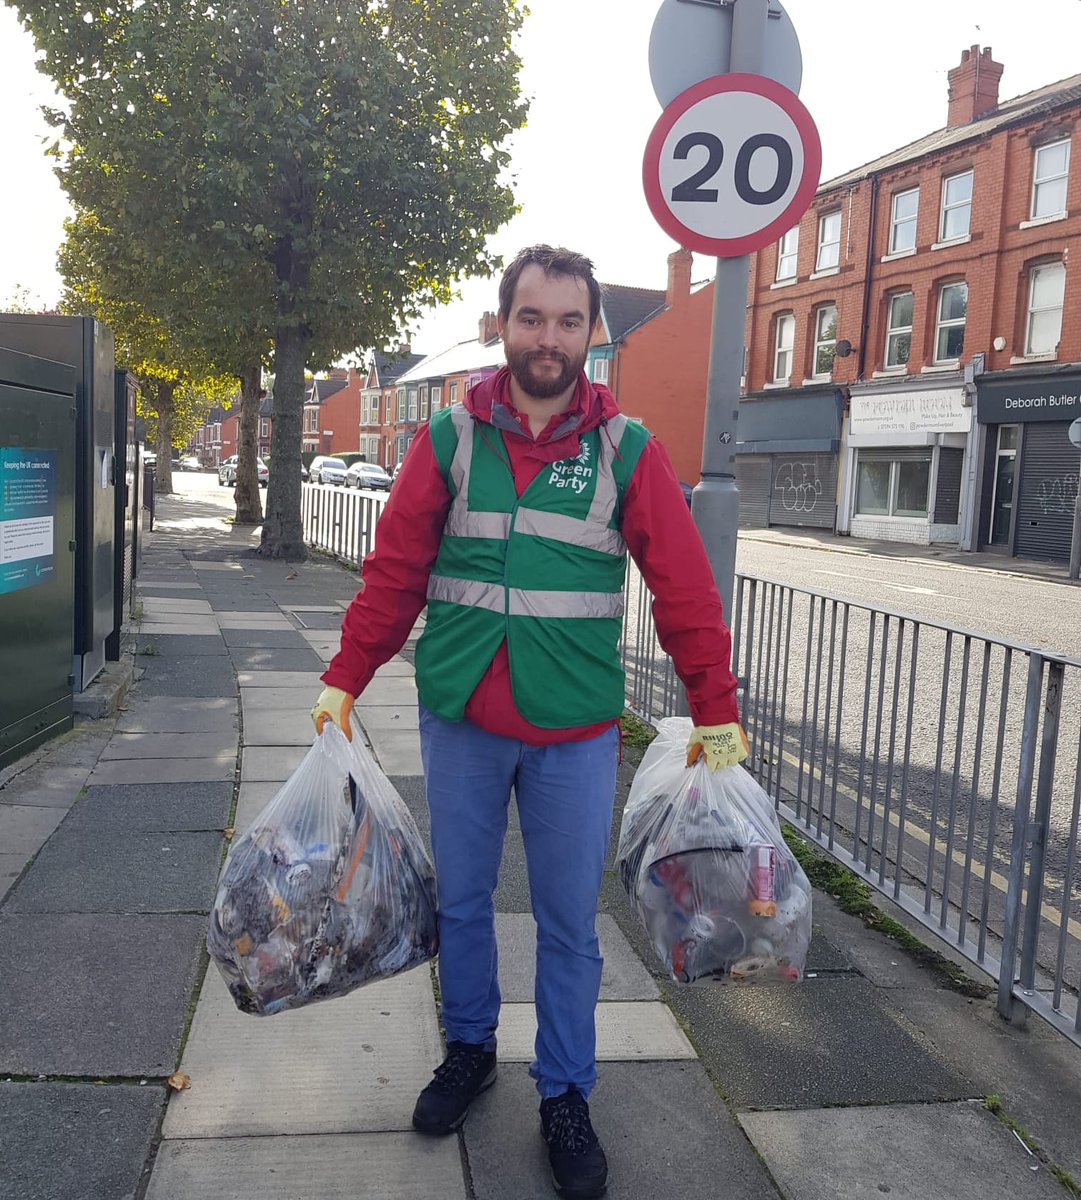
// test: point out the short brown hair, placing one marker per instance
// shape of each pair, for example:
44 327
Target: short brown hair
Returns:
553 260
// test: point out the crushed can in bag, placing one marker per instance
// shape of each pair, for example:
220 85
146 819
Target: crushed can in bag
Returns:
706 868
329 889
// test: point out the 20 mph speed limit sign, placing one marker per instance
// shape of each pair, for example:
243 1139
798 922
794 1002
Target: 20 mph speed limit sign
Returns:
732 164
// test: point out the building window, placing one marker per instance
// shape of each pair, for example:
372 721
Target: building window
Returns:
1002 495
1050 174
411 408
424 403
783 344
892 487
829 241
437 398
906 207
788 253
600 370
454 392
264 428
825 340
950 331
956 207
1046 293
899 330
401 404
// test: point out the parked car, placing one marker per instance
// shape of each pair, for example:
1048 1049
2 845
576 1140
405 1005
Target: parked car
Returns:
326 469
190 463
227 472
368 475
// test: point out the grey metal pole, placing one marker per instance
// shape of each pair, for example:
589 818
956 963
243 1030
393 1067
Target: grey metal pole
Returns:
715 501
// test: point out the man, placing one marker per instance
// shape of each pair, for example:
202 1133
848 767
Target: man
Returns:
511 521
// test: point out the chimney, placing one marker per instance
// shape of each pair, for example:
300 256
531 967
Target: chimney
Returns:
488 330
679 277
973 86
404 348
338 373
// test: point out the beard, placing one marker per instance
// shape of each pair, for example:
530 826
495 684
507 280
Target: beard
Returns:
522 365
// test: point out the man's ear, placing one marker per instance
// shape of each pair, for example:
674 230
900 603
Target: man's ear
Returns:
500 324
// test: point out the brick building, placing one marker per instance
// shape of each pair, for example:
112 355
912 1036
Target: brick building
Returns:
377 403
332 406
912 361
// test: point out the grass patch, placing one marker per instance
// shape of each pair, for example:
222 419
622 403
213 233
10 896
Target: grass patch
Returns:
636 732
993 1104
856 898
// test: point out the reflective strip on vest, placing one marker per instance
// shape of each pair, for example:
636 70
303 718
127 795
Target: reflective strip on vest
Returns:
524 603
561 528
462 523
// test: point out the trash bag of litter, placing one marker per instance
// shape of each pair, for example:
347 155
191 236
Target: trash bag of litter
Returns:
707 870
329 889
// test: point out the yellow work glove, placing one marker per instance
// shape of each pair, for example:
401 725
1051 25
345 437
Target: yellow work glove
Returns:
335 706
719 745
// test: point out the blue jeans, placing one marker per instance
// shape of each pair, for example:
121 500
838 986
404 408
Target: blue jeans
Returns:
565 795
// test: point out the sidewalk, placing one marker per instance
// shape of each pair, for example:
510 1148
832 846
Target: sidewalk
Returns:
865 1080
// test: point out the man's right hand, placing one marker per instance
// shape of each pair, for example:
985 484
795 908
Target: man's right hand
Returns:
335 706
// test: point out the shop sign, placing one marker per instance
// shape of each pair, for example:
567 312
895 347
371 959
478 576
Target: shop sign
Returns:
1043 398
940 411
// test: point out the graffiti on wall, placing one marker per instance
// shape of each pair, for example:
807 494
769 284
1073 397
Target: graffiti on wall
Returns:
798 486
1056 495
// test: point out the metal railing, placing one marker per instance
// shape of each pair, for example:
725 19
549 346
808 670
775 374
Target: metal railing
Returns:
941 765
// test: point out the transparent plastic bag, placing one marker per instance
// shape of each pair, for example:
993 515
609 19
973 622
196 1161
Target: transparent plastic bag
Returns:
329 889
706 868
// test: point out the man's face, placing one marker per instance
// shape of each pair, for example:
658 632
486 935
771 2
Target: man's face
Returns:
546 336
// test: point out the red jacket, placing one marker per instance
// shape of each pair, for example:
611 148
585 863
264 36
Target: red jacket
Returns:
657 527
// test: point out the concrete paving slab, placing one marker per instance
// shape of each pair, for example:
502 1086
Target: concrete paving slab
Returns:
11 866
396 668
639 1031
215 566
265 658
355 1166
326 621
666 1133
24 829
623 978
45 785
247 601
165 770
389 717
155 619
287 699
173 714
397 751
153 807
279 727
208 743
911 1152
277 639
826 1041
299 680
95 994
411 790
350 1065
179 645
268 764
312 608
159 586
75 1141
389 689
207 676
254 620
170 604
253 798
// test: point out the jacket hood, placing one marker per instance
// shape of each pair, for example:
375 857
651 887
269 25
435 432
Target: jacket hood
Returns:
593 405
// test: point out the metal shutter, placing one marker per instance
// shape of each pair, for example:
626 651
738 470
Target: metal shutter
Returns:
803 491
752 478
1046 492
948 491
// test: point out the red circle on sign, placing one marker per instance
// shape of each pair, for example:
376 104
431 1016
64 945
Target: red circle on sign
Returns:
811 146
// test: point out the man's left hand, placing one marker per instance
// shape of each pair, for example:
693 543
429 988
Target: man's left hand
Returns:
719 745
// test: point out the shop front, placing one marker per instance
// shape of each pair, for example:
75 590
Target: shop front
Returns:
786 458
1028 475
904 464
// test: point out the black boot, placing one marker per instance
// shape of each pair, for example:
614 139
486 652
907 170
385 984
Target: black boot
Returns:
579 1168
459 1080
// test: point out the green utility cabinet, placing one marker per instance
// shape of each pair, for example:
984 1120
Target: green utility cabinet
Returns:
37 550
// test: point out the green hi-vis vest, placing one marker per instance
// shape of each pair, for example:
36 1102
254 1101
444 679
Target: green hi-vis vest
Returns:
545 571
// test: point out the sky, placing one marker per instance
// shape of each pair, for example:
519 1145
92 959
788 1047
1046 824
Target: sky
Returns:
874 78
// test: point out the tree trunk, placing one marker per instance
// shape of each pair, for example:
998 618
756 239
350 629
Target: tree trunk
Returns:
163 472
249 509
283 533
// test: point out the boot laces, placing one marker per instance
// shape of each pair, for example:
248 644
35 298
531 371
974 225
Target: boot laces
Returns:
459 1070
569 1127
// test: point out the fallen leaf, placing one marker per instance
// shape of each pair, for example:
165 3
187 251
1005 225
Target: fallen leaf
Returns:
292 575
229 831
178 1081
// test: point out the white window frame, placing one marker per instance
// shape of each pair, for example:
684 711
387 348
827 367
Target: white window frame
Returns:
942 324
401 404
788 255
1047 181
895 331
784 348
264 427
1033 312
454 391
822 343
830 248
906 223
410 403
600 370
423 401
437 398
953 206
